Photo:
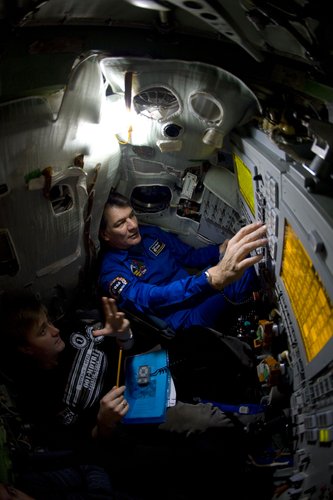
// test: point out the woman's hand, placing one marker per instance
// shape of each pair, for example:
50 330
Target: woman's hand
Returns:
112 407
8 492
115 321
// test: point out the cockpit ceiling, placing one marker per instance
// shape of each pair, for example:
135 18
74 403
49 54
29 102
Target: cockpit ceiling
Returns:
299 30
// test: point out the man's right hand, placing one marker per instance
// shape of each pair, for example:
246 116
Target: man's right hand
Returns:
237 256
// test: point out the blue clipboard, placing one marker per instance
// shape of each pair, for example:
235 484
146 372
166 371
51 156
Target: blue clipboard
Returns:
147 381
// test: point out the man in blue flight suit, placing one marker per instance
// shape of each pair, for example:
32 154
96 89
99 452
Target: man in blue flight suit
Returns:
144 269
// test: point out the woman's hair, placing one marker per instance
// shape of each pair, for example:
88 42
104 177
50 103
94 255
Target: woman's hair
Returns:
20 312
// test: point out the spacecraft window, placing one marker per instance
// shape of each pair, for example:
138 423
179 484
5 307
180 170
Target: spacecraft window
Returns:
206 107
157 103
61 198
150 199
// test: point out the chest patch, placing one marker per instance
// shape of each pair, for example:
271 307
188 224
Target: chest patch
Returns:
138 268
78 340
157 247
117 286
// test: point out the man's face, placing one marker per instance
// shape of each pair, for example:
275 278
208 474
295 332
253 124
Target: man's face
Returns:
43 342
122 230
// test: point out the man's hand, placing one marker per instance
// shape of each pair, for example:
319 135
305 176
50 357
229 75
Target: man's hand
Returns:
115 321
223 247
237 256
112 407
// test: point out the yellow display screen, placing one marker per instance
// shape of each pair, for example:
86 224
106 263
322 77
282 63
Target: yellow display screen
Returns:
310 302
245 184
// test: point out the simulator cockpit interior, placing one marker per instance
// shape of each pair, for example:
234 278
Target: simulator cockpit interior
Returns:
208 115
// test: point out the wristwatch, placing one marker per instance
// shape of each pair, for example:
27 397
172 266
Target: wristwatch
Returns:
209 278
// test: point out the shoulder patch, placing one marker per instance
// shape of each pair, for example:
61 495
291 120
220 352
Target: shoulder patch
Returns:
117 286
157 247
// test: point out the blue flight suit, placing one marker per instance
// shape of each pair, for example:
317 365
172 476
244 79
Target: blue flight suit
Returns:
151 277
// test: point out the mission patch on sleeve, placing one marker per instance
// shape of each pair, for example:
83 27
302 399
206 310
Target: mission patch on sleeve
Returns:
117 286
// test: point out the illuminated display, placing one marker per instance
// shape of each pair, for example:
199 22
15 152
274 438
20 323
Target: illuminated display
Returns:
245 184
312 307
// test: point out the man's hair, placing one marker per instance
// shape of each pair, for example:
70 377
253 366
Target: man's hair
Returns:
20 312
115 199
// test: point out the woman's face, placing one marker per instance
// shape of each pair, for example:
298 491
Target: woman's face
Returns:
43 342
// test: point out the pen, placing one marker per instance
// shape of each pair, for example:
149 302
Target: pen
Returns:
119 366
